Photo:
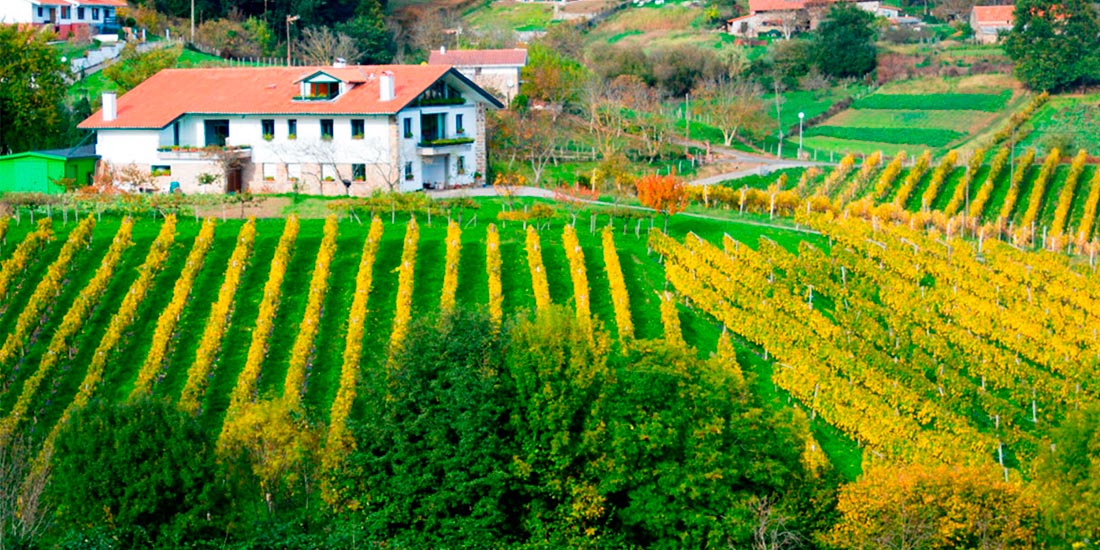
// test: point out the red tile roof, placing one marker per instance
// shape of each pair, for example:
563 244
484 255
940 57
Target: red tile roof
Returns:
172 93
112 3
989 16
465 58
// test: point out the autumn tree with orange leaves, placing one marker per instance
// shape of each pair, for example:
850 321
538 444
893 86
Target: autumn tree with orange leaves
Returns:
665 194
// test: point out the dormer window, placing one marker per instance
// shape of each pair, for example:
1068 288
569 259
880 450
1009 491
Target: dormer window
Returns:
320 87
323 90
441 93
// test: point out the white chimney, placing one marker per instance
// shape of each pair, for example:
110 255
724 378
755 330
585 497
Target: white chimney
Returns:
340 63
110 106
385 86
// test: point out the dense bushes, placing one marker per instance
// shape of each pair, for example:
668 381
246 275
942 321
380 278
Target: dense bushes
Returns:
542 434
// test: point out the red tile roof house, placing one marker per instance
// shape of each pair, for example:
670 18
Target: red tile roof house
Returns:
64 16
495 70
780 17
988 21
318 130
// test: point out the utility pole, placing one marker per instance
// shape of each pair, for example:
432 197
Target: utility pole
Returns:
289 19
192 21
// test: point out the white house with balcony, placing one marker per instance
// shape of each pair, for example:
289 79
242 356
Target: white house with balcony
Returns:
498 71
64 16
319 130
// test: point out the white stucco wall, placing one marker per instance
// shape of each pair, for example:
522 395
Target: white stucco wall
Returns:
16 11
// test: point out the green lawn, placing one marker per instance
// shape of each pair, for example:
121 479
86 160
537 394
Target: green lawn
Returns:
959 121
1067 122
510 16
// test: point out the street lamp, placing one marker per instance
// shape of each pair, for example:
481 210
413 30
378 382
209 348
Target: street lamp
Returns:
801 116
289 19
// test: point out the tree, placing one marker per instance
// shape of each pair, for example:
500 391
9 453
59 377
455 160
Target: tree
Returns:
368 30
1055 45
689 446
32 91
1067 477
134 67
665 194
435 465
843 45
323 46
551 77
144 469
733 106
915 506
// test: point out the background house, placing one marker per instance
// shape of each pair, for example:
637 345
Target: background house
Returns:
64 16
497 71
320 130
988 21
783 18
39 171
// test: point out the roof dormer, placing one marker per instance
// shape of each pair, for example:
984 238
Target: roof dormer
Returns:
320 86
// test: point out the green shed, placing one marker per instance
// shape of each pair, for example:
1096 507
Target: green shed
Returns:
36 171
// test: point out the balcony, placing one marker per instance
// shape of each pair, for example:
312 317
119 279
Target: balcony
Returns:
444 146
189 152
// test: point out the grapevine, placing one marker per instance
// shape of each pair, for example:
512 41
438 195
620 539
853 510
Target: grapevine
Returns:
61 341
1000 162
538 272
169 318
886 179
961 190
44 294
912 179
1084 230
492 268
311 321
619 295
1014 186
577 271
218 321
24 253
403 310
938 177
450 275
670 319
1065 198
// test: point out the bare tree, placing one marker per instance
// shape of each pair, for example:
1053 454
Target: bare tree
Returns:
733 106
322 46
22 515
771 531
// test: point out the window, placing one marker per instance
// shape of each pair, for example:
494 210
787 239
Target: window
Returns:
433 127
162 170
408 127
292 128
359 172
461 165
95 14
324 90
176 133
65 12
268 126
269 171
40 14
458 125
326 128
294 172
80 13
357 128
409 170
328 172
217 132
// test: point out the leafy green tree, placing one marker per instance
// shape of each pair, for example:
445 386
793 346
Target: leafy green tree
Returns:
434 466
1054 44
144 470
134 67
694 459
843 45
1067 477
32 91
368 29
552 77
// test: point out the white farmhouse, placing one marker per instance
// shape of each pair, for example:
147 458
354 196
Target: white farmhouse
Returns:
63 16
495 70
320 130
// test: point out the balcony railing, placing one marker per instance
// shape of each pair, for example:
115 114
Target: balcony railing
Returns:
189 152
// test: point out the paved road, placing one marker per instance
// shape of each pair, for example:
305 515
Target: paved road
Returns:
764 164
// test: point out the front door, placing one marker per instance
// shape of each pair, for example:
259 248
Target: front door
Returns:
53 15
233 180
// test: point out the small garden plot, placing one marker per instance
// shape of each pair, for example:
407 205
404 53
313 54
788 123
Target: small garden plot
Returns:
936 102
1069 123
934 137
959 121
